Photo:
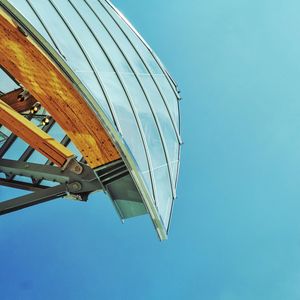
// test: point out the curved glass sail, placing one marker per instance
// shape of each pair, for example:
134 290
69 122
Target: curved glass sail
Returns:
127 81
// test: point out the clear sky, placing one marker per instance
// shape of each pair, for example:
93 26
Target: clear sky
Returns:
235 231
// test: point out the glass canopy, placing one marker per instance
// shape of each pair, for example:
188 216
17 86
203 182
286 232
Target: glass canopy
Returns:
122 79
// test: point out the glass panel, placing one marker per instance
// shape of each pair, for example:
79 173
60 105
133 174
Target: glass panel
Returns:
167 130
138 44
88 78
25 9
130 131
132 54
164 198
103 37
84 35
59 31
117 35
146 56
148 124
70 47
170 98
174 171
97 48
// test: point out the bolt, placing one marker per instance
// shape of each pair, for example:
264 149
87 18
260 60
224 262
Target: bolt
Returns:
76 186
77 169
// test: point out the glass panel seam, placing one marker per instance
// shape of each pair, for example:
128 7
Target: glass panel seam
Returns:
145 64
137 119
143 90
45 27
168 76
113 113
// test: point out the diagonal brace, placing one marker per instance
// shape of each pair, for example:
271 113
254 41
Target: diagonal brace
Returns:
77 185
32 199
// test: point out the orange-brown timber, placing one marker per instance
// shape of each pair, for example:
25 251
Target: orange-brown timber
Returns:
34 136
11 99
30 66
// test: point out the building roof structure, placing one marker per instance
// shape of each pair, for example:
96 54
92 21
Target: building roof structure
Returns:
107 98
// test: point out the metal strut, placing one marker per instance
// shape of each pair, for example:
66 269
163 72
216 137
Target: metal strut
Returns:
76 181
32 199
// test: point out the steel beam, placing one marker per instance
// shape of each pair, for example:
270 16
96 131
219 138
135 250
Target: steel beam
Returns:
111 172
21 185
32 199
77 180
51 173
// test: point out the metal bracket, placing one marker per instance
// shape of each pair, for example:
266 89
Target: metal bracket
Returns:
76 181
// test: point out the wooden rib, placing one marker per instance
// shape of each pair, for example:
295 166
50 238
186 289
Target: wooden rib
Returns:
31 67
34 136
11 99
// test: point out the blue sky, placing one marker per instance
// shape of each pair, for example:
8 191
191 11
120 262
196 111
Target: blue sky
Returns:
235 228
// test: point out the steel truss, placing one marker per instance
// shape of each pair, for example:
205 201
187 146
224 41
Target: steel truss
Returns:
76 181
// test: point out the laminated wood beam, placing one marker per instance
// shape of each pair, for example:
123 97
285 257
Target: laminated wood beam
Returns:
34 136
30 66
12 100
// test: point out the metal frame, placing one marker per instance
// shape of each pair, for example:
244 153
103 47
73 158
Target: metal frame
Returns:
130 102
72 182
111 130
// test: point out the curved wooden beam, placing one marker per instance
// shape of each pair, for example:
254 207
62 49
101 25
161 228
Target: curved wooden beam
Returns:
31 67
